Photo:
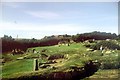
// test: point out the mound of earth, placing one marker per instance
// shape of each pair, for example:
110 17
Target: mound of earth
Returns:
56 56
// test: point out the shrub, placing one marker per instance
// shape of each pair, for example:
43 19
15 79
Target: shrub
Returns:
109 44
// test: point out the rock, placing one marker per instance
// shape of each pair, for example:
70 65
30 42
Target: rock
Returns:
20 58
44 66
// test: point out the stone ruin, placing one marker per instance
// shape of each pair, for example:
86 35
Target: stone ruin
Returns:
17 51
76 73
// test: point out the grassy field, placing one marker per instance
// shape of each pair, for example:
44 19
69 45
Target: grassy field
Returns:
110 74
75 55
17 67
76 47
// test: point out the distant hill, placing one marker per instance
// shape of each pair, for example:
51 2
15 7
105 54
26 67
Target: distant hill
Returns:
9 43
65 36
94 35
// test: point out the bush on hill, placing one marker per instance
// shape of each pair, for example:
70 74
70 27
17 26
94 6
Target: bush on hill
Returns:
109 44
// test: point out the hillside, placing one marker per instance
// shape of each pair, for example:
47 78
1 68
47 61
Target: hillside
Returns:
61 55
9 44
57 58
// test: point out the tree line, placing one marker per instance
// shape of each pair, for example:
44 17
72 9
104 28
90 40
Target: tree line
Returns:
9 43
94 35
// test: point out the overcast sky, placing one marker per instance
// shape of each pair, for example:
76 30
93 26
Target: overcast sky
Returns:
39 19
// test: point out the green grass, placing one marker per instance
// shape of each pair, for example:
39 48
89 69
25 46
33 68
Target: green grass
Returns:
15 67
110 73
77 47
19 66
76 57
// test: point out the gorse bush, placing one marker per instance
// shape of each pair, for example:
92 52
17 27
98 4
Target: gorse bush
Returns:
108 61
109 44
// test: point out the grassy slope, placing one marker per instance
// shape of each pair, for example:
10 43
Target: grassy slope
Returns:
75 53
19 66
63 48
110 73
